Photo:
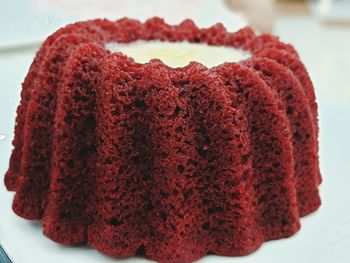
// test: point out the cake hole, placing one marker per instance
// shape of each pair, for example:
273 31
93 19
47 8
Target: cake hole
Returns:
146 177
115 222
205 201
141 105
183 84
164 194
275 165
297 136
254 129
213 210
216 187
177 111
221 222
163 216
68 119
257 67
267 73
245 158
289 97
150 206
289 110
178 130
205 226
234 195
136 160
140 251
180 168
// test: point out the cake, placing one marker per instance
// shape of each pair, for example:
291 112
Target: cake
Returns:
166 162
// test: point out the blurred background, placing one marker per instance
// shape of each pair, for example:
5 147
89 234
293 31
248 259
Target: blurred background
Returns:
320 31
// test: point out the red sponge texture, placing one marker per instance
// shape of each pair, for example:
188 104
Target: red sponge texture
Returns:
166 163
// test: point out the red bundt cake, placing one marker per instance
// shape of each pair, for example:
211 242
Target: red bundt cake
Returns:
170 163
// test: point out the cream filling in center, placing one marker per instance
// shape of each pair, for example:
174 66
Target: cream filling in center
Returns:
178 54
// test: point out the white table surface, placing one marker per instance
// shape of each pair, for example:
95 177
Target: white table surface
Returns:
325 235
